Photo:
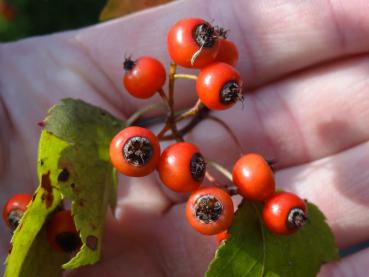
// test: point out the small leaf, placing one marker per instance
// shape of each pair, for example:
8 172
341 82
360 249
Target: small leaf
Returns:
251 250
117 8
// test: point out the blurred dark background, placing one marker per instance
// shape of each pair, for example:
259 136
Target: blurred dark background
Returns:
23 18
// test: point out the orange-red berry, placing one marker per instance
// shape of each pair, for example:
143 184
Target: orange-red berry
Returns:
182 167
284 213
228 52
135 151
253 177
186 38
14 209
62 234
143 77
219 86
210 210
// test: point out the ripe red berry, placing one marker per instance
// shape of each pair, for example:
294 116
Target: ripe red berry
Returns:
143 77
135 151
284 213
219 86
186 38
14 209
62 234
228 52
222 236
210 210
253 177
182 167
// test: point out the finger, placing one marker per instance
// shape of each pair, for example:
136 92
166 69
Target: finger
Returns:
355 265
274 38
314 115
339 185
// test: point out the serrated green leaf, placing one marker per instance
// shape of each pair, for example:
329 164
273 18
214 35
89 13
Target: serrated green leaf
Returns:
46 198
91 184
251 250
76 138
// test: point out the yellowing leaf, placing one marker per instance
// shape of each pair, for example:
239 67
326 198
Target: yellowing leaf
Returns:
117 8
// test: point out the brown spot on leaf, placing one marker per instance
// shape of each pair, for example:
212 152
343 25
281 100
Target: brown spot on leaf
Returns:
91 242
47 197
41 124
42 162
34 197
10 248
93 226
63 175
73 185
81 203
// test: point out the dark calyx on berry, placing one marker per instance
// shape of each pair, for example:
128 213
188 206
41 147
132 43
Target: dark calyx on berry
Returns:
128 64
230 93
205 35
14 218
138 151
296 218
68 242
208 209
197 167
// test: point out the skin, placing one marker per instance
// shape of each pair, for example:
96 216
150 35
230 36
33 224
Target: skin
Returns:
305 64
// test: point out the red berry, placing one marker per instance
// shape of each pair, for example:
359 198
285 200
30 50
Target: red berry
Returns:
62 234
210 210
135 151
228 52
284 213
186 38
219 86
14 209
182 167
143 77
222 236
253 177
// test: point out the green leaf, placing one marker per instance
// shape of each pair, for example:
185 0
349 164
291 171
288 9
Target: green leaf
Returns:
251 250
76 139
91 184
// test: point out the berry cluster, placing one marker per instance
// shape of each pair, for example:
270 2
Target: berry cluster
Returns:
135 151
62 234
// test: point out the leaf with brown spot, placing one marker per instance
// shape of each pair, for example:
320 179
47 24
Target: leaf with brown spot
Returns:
117 8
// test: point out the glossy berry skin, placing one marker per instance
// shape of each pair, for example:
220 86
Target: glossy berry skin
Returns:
279 210
143 77
219 86
222 236
62 234
228 52
135 151
182 44
182 167
216 214
14 208
253 177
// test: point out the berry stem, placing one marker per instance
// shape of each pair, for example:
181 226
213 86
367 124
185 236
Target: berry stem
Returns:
171 123
230 132
221 169
191 112
138 114
185 76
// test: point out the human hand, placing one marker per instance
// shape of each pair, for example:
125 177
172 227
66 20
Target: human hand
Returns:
306 68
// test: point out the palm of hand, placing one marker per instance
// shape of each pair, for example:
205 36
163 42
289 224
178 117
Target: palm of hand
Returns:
311 117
